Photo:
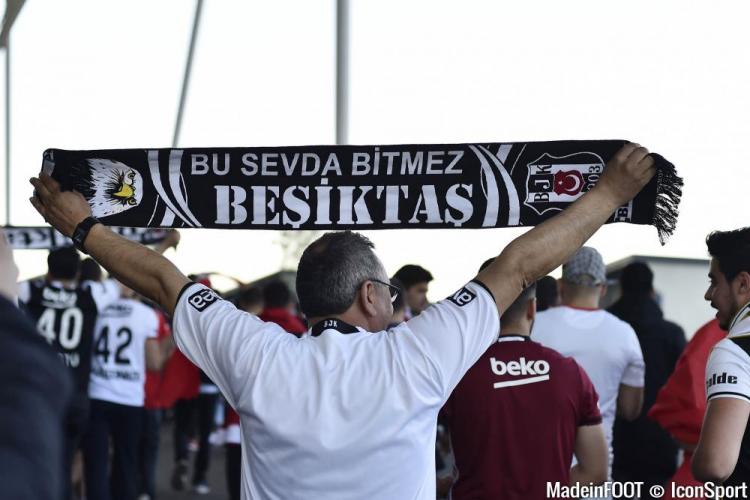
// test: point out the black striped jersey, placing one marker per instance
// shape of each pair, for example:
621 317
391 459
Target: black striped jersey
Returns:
66 318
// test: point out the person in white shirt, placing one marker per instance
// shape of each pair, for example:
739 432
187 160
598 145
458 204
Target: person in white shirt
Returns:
348 410
124 346
723 451
606 347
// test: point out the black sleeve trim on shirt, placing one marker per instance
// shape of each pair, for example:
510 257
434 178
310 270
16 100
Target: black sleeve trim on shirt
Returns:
728 393
475 280
182 292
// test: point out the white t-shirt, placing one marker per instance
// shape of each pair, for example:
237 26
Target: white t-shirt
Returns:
340 413
118 361
728 372
728 367
606 347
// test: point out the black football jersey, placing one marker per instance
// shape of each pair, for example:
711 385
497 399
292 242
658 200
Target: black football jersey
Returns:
66 319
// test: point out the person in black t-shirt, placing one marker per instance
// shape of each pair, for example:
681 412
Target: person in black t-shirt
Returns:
65 314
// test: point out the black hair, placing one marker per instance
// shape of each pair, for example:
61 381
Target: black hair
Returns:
518 307
731 249
250 297
276 294
332 269
411 274
64 263
90 270
547 293
637 279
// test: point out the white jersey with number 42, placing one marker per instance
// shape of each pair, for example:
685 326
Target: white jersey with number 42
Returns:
118 363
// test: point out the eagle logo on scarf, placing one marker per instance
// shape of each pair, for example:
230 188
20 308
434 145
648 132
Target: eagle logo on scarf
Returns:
110 187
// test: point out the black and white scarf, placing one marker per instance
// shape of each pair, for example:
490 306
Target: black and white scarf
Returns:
481 185
47 238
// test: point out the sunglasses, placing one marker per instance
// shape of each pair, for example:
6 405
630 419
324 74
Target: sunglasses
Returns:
393 289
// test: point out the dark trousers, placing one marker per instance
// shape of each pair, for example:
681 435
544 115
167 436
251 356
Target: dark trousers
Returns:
234 470
75 425
122 424
186 411
149 452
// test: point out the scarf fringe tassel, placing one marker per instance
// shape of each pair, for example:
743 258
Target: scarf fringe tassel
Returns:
668 195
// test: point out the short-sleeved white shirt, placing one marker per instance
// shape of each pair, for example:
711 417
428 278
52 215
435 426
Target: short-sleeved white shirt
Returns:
118 361
728 372
605 346
728 367
341 413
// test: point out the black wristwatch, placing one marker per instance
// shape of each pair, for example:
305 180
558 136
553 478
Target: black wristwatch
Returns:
82 231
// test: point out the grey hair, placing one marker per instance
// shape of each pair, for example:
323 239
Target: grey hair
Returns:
332 269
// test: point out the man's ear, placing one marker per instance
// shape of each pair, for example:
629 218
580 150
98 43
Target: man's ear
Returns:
366 296
603 291
531 309
741 286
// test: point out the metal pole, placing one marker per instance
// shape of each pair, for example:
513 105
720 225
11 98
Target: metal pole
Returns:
7 131
186 78
342 71
12 9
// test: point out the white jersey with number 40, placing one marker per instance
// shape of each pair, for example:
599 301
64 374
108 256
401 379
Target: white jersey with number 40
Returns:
118 363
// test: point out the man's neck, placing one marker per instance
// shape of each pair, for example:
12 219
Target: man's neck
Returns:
515 329
591 303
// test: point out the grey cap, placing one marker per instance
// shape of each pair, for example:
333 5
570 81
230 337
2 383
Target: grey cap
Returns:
585 267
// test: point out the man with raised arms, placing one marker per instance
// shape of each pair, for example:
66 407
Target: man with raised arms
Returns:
343 412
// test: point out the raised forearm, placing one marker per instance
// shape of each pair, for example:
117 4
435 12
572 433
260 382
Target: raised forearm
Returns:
551 243
546 246
138 267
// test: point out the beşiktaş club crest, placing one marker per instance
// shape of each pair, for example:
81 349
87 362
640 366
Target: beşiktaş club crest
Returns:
554 182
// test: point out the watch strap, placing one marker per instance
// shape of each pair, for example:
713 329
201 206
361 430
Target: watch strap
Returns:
82 231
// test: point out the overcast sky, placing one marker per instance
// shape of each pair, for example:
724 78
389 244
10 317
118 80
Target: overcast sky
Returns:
672 75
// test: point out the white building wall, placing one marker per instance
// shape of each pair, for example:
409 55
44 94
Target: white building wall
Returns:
681 287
